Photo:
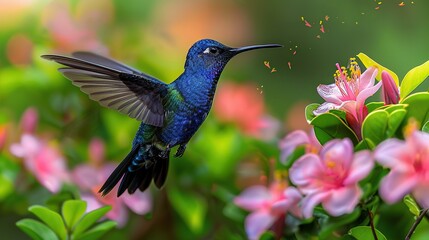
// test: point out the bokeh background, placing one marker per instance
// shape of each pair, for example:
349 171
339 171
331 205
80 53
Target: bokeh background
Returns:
228 153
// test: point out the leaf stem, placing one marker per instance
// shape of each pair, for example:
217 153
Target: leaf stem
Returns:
416 223
371 222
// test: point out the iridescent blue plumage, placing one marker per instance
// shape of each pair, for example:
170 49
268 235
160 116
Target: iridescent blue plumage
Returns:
170 113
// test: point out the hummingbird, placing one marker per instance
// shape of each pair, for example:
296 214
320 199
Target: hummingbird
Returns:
170 114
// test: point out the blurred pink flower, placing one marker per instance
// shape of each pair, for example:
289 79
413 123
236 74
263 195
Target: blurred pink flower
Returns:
389 89
267 206
244 106
409 168
298 138
349 93
43 160
331 178
29 120
90 177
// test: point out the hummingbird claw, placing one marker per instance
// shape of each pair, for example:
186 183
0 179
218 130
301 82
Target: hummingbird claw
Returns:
180 151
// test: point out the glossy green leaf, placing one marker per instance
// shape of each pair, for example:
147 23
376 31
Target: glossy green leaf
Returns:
414 78
328 126
191 208
50 218
394 121
332 223
374 126
371 106
418 107
72 211
269 235
97 231
89 219
365 233
368 62
412 205
394 107
309 109
36 230
425 127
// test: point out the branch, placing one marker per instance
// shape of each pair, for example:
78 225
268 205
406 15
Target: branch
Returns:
371 222
416 223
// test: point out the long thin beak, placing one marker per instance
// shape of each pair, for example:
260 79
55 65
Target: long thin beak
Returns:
248 48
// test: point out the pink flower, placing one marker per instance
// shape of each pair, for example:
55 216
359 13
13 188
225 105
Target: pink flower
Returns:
244 106
29 120
89 179
389 89
349 93
331 178
267 205
43 160
409 168
298 138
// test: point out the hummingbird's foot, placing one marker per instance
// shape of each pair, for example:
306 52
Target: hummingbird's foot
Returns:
180 150
165 153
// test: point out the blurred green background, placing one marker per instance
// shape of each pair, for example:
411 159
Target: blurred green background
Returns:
154 36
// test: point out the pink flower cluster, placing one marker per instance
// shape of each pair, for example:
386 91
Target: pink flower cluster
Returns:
48 165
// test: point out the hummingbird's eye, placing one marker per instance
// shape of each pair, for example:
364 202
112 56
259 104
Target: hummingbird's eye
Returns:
211 50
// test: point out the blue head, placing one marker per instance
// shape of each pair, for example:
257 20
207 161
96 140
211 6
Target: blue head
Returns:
209 57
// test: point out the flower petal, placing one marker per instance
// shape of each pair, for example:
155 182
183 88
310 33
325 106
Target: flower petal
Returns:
337 154
367 78
342 200
325 107
361 166
139 202
311 201
366 93
304 172
291 141
330 93
389 153
290 201
421 194
258 222
253 198
396 185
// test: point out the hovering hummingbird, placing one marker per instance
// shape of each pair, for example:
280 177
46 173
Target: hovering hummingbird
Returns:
170 114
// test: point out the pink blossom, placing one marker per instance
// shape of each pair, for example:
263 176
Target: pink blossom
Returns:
90 177
43 160
29 120
267 205
298 138
349 93
243 105
389 89
409 168
331 178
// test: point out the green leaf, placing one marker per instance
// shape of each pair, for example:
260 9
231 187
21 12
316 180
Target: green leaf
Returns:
89 219
418 107
72 211
365 233
36 230
368 62
190 207
329 126
394 121
97 231
309 115
332 223
50 218
269 235
412 205
425 127
413 79
374 106
374 126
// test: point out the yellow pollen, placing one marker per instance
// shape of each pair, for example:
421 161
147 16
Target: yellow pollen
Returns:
330 164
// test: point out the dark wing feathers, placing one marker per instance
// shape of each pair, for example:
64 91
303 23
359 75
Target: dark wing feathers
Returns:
115 85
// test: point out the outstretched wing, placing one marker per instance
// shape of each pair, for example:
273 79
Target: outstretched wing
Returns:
115 85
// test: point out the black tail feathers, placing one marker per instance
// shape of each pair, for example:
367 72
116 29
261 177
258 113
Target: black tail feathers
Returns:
154 165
